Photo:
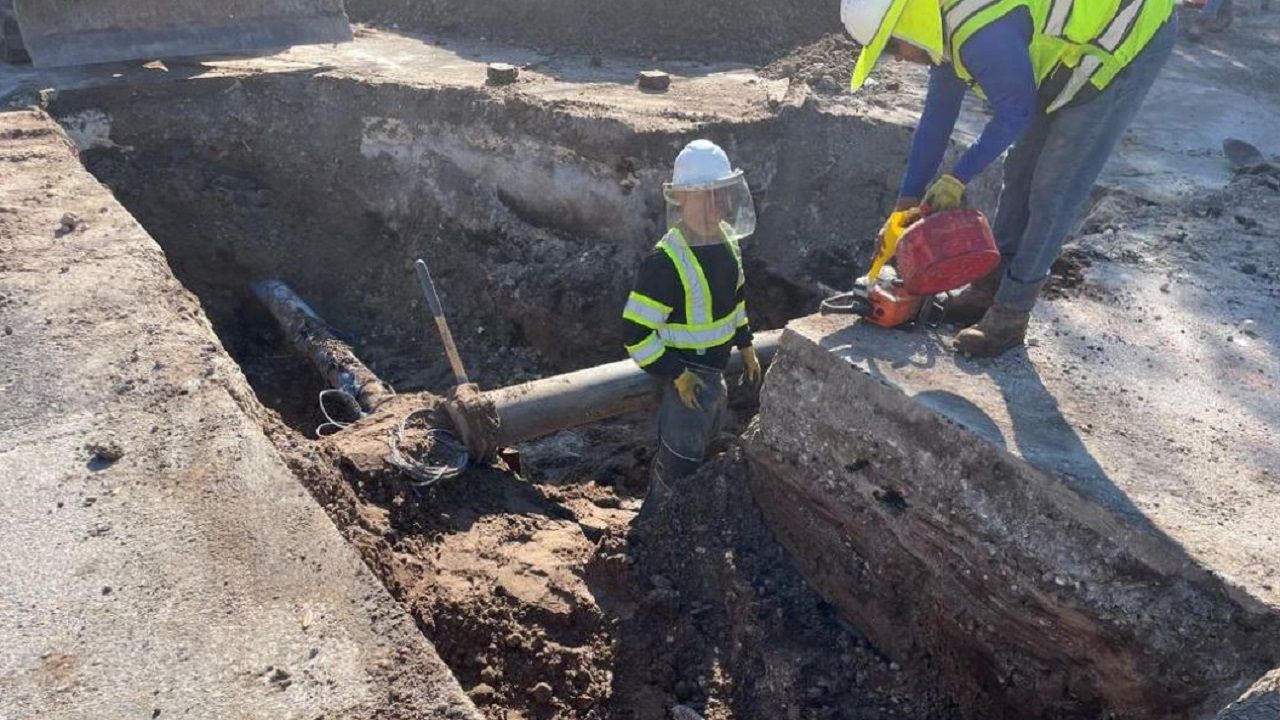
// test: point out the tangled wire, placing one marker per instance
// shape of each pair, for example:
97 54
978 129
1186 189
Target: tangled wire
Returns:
441 455
437 455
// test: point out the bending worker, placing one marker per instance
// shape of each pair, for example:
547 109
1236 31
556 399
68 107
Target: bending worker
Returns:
1064 78
687 311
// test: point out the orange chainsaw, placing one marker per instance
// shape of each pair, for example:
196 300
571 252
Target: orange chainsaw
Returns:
939 252
879 296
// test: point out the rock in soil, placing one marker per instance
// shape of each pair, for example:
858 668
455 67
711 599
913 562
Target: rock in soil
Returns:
105 452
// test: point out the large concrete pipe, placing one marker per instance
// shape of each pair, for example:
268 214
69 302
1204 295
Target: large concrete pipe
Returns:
314 339
542 407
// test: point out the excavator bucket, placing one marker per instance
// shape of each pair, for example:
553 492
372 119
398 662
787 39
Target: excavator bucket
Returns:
78 32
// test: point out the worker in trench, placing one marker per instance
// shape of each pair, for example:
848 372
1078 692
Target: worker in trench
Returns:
688 310
1064 79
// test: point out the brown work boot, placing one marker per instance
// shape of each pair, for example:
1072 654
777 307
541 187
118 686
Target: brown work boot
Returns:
966 307
1000 329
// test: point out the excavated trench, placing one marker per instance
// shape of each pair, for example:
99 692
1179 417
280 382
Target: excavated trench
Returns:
524 576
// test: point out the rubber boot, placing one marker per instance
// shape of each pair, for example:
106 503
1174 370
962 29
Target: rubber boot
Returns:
999 330
668 467
966 307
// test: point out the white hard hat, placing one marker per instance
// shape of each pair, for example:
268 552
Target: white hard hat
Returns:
863 18
873 22
702 165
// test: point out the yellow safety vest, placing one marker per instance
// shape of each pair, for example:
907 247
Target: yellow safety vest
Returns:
700 331
1095 38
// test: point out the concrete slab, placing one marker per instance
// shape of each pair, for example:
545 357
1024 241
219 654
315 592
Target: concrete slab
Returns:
193 575
1050 548
1164 422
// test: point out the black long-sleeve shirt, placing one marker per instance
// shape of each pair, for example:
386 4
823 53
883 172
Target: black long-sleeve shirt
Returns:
659 280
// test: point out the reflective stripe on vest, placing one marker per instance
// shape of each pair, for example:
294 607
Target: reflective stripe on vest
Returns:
965 10
1097 39
647 351
697 294
737 255
645 311
963 18
1056 22
700 330
1112 38
956 16
701 337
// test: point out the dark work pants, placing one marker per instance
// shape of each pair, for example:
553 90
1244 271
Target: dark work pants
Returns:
684 435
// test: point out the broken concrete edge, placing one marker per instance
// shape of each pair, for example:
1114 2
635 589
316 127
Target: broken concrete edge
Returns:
948 551
1260 702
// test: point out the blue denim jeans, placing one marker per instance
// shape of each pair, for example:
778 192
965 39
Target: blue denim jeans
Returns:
1051 170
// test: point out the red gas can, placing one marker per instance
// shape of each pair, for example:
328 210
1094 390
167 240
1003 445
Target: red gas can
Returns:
945 251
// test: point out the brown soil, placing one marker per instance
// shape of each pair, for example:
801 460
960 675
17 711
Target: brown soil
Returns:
546 605
826 64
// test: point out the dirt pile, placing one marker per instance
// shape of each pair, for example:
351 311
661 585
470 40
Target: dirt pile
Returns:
1227 237
743 30
544 605
826 64
741 634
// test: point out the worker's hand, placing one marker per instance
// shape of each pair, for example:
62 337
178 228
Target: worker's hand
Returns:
687 386
751 372
946 193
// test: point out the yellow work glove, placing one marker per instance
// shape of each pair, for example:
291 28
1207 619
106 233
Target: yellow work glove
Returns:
751 372
946 193
687 386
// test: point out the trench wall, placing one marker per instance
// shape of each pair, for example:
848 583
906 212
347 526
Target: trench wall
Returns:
534 215
188 572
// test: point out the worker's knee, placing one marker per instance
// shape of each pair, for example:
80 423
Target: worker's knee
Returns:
685 445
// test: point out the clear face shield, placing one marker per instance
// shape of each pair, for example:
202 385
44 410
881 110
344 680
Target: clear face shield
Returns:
711 212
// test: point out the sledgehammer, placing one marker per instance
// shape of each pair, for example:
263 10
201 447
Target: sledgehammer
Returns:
442 324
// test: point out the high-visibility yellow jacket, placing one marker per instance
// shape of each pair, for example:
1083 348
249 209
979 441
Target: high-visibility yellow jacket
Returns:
687 310
1080 43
